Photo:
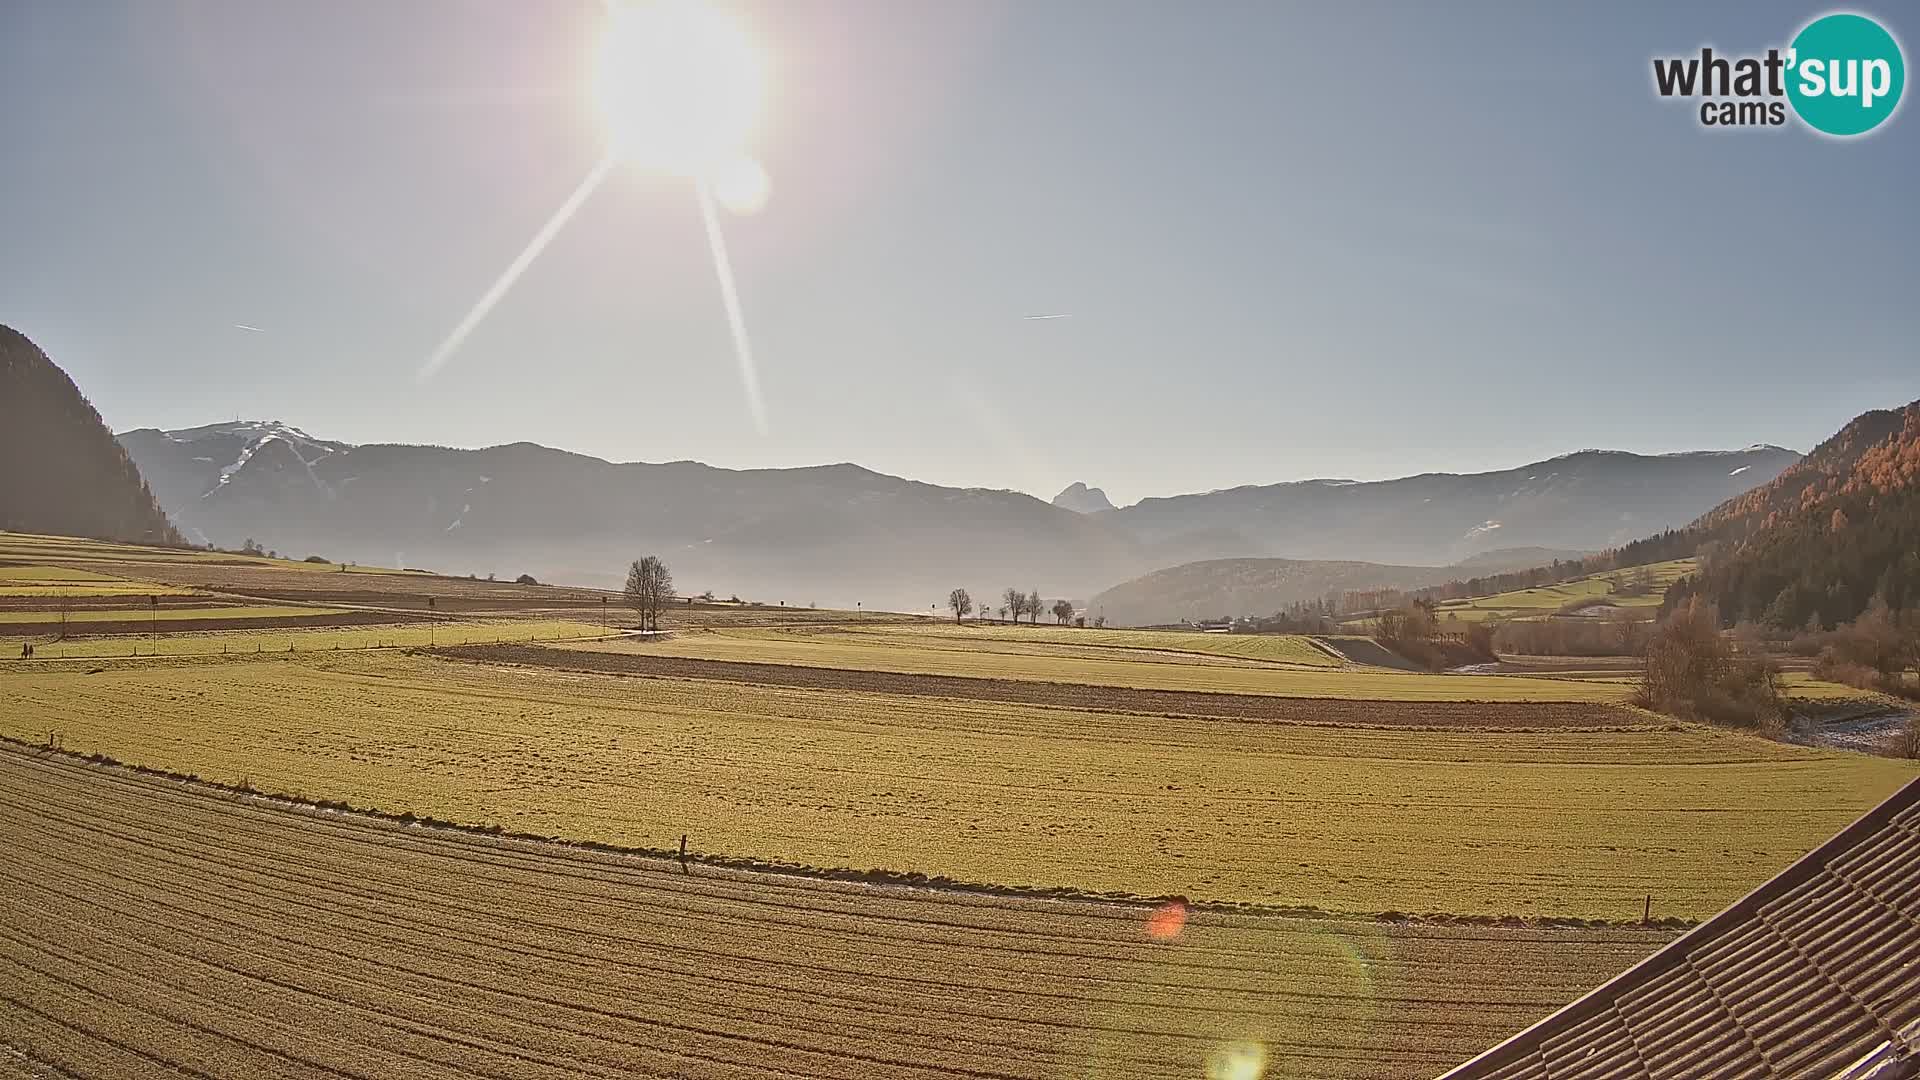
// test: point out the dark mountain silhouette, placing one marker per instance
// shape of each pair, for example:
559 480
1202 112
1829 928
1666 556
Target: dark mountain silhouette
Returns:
836 534
63 472
1822 540
1082 499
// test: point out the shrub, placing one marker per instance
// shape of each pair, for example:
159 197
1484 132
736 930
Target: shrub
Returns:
1692 671
1617 633
1480 640
525 579
1905 743
1873 653
316 559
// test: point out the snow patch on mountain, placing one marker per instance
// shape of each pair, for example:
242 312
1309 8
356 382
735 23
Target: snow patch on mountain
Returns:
238 442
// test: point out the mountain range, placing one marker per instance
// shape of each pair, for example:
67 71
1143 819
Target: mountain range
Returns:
842 534
1592 499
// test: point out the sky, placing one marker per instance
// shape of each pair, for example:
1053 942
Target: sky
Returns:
1293 241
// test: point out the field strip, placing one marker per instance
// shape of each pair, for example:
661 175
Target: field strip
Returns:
266 939
898 654
1288 709
1553 824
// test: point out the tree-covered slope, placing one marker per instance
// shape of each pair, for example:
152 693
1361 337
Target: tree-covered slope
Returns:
60 469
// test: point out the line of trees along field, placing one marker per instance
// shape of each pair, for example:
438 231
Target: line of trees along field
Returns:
1014 604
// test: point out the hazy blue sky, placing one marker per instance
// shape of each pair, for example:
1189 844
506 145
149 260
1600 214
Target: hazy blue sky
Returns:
1295 241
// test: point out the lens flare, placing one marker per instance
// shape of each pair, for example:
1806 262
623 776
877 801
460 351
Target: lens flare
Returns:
514 269
742 186
1245 1060
730 299
1167 921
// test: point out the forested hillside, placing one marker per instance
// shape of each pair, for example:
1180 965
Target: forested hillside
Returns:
1824 539
63 472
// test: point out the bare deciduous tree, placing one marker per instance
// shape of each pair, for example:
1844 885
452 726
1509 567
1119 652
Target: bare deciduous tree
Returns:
649 587
1033 607
1693 671
1063 611
960 603
1016 602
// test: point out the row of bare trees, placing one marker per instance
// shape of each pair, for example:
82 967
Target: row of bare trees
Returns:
1014 603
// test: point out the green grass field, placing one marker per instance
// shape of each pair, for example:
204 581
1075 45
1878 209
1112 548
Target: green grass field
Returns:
1608 586
1273 648
1351 819
66 550
1320 804
992 656
141 613
320 639
53 582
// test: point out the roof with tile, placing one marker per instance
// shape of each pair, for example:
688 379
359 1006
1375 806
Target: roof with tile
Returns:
1814 974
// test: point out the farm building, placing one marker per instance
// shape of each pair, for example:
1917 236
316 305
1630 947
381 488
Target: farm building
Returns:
1814 974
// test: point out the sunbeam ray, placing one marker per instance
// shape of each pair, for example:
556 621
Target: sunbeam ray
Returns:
723 269
514 269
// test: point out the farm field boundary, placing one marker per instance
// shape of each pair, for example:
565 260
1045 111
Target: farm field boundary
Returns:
307 943
174 623
1326 712
875 876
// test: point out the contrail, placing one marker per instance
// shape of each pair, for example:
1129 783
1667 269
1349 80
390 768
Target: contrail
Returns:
514 269
249 329
1032 318
722 268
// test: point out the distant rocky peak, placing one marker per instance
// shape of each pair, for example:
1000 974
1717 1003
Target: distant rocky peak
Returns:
1082 499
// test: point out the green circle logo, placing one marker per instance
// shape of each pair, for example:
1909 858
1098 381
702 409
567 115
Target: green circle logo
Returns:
1845 74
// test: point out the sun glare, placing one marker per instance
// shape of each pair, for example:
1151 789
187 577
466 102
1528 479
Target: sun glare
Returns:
679 86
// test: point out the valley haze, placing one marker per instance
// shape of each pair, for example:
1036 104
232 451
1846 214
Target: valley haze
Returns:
843 535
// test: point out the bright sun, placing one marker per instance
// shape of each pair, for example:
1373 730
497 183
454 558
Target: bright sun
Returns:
679 86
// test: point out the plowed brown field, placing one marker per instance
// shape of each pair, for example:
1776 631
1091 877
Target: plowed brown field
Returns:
152 927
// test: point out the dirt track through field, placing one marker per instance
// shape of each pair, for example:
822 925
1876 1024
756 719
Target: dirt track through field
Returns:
1327 711
149 925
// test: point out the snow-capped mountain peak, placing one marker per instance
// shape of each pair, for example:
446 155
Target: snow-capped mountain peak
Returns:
196 463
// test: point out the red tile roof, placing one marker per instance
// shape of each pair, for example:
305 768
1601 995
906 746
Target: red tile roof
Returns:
1814 974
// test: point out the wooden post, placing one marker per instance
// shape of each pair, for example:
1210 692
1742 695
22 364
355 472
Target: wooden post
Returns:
683 854
1647 915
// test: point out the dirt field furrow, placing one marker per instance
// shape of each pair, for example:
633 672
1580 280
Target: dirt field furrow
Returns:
347 946
1185 988
715 901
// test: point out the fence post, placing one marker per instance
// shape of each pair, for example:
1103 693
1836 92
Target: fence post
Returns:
1647 915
